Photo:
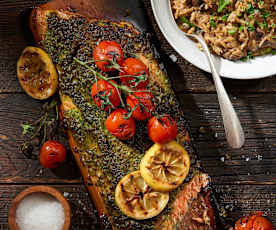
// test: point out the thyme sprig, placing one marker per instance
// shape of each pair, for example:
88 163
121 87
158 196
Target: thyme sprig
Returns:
125 88
38 131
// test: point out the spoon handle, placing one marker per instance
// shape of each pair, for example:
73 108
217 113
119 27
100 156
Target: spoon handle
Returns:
233 129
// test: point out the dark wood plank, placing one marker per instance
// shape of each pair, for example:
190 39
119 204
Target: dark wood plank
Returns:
84 215
251 164
243 199
256 112
254 163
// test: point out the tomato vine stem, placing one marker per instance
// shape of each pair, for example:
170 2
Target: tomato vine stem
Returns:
118 87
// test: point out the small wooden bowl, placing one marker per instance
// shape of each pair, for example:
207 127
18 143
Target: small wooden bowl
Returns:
41 189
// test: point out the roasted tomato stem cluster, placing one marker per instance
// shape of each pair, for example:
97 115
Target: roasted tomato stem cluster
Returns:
107 94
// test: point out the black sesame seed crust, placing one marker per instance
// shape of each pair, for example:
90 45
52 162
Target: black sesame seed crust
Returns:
106 157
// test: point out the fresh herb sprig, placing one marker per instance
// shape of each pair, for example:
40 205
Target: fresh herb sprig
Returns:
38 131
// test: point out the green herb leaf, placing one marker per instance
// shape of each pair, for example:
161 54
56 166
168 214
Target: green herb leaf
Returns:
251 27
222 4
265 14
261 3
248 56
264 25
250 9
241 28
212 22
232 31
224 17
27 129
183 19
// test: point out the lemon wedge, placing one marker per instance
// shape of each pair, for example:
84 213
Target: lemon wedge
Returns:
137 200
165 167
36 73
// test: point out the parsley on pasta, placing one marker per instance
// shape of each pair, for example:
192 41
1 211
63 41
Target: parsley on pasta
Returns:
222 4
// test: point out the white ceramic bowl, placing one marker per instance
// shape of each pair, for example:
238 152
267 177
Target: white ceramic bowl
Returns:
258 67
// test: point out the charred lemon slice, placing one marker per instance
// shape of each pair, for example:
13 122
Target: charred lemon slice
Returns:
165 167
37 73
137 200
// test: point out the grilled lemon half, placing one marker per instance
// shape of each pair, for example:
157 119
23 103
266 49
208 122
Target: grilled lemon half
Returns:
165 167
36 73
137 200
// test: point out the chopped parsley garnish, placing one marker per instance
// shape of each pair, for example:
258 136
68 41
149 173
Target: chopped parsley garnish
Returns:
250 9
232 31
263 25
265 14
224 17
248 56
261 3
212 22
251 27
241 28
222 4
183 19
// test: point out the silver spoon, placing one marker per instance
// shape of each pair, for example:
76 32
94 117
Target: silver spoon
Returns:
233 129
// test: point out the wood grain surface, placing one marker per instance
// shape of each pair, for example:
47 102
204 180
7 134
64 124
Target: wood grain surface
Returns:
245 179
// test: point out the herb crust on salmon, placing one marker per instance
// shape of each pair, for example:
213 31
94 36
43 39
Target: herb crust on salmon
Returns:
69 39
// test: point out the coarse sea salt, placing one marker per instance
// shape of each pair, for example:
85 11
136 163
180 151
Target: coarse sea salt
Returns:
39 211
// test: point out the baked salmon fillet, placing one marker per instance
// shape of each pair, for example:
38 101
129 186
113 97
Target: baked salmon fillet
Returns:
102 158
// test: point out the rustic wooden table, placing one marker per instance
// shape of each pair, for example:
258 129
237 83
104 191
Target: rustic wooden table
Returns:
245 179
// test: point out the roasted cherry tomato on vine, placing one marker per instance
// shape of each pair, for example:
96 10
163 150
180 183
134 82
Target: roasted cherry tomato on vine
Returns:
106 54
142 105
52 154
254 221
105 95
118 124
139 71
162 129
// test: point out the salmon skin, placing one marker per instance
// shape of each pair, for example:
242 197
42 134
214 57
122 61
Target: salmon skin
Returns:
102 158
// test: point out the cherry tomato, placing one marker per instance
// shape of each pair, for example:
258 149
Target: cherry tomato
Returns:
52 154
142 104
163 129
119 125
104 54
105 95
133 66
254 221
